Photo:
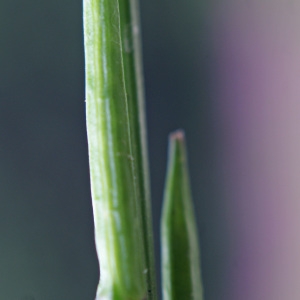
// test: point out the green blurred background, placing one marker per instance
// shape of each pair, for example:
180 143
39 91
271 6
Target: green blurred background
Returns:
46 228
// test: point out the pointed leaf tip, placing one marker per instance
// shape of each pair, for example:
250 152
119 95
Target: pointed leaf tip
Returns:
180 250
178 135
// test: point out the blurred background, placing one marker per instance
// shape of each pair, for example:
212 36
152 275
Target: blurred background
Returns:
227 72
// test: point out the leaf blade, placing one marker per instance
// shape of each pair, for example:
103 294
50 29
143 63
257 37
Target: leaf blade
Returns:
117 155
180 250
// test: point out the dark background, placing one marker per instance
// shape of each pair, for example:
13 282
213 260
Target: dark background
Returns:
46 226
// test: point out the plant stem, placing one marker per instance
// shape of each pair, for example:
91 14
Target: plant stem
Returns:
180 250
117 150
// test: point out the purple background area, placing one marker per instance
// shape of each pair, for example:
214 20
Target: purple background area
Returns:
257 104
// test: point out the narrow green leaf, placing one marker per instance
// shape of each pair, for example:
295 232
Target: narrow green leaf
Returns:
180 250
130 33
117 150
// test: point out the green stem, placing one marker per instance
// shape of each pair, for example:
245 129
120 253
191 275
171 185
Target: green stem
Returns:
117 151
180 250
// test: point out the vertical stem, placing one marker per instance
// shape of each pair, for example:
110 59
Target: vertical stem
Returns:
117 152
130 32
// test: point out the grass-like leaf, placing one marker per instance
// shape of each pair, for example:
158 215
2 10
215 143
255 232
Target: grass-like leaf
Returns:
117 150
180 250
